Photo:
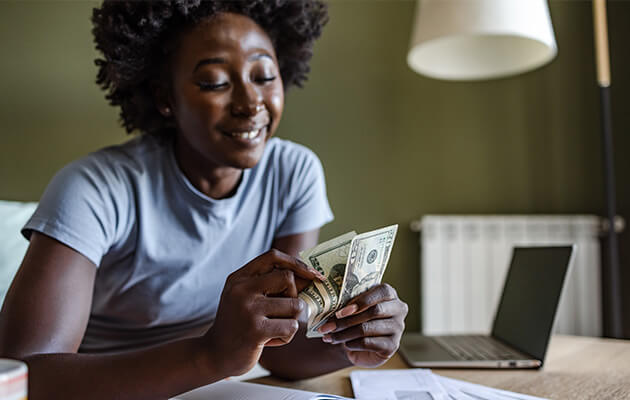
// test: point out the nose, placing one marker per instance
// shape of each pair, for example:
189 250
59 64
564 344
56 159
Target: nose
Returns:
246 100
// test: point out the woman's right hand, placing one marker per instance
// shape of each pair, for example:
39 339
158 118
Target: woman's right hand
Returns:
259 307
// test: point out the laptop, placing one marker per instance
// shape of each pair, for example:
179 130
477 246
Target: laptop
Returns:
522 325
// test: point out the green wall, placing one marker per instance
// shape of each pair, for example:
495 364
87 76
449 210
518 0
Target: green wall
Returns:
394 145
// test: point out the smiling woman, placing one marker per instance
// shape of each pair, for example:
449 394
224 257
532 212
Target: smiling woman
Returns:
226 96
169 262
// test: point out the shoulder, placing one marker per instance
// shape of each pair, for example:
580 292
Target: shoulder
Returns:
301 188
115 165
137 154
89 203
294 168
105 181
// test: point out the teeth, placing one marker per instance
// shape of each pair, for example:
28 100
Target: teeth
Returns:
246 135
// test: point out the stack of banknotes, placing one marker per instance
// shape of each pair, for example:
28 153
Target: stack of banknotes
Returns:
351 264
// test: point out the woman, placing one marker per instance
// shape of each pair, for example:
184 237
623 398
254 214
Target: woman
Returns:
138 282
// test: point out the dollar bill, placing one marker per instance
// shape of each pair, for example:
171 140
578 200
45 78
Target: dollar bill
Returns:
314 302
327 257
351 264
368 258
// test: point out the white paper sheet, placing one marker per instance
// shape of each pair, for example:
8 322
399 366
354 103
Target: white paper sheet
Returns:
474 389
231 390
411 384
422 384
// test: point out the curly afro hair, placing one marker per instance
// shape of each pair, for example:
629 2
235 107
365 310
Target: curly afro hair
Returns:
135 37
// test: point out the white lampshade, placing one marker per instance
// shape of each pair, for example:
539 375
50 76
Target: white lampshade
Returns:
480 39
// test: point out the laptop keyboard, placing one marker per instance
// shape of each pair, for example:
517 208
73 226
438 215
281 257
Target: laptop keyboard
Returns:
480 347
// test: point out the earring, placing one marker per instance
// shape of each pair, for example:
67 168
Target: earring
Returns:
166 111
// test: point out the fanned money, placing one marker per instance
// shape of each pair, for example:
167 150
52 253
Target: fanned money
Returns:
351 264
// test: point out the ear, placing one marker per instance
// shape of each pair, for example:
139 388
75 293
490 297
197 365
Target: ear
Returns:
162 100
165 111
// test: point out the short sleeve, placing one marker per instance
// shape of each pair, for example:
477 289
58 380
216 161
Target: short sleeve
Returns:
307 206
78 208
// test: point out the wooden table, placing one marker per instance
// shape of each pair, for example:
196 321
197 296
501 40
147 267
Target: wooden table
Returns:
576 368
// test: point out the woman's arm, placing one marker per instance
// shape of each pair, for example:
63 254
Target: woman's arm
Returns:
367 336
302 358
43 321
47 308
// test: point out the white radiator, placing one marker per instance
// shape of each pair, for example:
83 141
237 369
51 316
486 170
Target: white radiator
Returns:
464 261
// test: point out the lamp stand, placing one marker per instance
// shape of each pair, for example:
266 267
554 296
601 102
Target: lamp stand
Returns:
603 78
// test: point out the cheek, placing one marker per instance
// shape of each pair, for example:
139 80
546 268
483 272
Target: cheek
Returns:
197 111
277 105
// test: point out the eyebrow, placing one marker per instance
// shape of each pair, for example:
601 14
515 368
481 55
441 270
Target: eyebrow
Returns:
219 60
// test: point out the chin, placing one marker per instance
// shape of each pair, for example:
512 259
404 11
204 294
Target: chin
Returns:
247 161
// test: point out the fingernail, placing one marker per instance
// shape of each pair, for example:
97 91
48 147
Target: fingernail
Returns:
347 310
327 338
318 274
327 327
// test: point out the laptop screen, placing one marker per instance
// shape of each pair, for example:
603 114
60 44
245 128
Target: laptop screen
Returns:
530 298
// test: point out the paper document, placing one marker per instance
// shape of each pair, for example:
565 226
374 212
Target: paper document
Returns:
230 390
475 391
412 384
422 384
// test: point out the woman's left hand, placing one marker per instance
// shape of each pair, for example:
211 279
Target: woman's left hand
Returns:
369 327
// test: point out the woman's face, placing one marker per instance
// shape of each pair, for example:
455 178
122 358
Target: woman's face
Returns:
227 93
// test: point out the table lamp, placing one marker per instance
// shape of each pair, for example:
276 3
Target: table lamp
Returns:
468 40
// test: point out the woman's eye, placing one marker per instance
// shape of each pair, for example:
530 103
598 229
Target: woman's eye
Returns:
211 86
265 79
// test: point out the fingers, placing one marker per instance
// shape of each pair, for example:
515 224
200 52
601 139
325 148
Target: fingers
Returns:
371 329
275 258
379 345
370 343
281 319
301 283
276 282
377 294
387 309
280 331
282 307
377 303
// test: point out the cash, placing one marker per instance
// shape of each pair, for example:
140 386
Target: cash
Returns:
351 264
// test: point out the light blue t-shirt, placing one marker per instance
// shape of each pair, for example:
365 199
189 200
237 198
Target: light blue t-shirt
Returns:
163 248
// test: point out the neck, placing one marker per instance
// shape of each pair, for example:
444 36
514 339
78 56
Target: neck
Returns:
214 181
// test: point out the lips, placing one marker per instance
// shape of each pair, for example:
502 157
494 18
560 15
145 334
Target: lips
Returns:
247 135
